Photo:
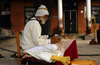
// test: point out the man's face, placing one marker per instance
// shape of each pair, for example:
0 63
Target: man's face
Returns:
43 19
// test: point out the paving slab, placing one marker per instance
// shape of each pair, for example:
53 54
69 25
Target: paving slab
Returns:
87 51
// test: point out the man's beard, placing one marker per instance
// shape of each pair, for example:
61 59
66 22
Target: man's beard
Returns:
43 20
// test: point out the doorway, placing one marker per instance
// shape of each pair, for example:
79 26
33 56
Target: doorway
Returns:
70 22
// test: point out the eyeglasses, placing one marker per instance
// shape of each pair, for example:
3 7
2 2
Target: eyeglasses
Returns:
46 16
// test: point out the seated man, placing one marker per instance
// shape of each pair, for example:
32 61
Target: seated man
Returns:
34 44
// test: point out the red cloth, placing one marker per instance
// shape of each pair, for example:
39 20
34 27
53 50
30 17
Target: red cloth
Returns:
71 51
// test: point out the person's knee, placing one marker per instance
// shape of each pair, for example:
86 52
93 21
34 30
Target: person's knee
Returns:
54 47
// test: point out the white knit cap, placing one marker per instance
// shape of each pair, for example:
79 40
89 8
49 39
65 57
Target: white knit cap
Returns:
42 10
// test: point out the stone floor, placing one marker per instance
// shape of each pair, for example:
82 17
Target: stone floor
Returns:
88 52
9 44
85 51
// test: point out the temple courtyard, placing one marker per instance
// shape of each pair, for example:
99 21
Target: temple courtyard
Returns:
8 46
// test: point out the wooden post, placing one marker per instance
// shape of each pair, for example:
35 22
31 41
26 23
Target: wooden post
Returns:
92 42
94 27
18 47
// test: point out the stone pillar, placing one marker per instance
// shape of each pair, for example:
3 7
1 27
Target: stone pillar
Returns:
60 13
88 35
60 17
88 16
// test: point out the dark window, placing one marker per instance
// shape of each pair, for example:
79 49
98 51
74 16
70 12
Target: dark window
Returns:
5 21
29 12
96 13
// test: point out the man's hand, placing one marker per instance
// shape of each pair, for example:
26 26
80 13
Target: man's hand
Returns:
55 39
